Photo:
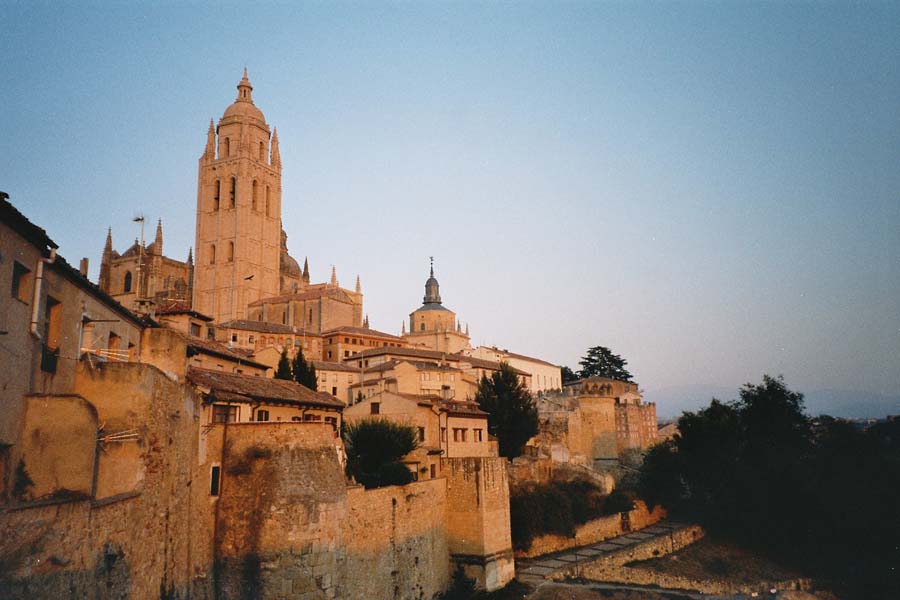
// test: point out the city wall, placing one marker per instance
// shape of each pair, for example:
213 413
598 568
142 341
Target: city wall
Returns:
135 539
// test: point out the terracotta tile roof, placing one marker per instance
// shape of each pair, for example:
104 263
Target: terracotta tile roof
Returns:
359 331
478 363
176 307
335 293
247 388
217 349
264 327
322 365
461 407
522 357
21 225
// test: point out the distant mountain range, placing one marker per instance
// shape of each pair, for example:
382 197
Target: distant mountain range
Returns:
672 401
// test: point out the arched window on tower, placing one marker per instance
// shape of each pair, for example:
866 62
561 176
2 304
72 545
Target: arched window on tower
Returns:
262 152
217 194
227 149
255 194
127 286
233 190
230 251
212 254
268 210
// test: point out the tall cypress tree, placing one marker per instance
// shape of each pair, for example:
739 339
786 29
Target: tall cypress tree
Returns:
300 368
284 367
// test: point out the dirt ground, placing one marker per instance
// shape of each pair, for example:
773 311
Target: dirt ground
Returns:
560 592
711 559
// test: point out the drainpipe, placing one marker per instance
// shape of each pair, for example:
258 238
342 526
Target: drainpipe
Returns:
38 283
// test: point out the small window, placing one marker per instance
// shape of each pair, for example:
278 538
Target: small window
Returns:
234 337
230 251
21 281
233 191
421 434
346 354
478 435
255 193
262 415
375 408
217 193
113 346
53 316
214 475
195 330
422 327
443 434
210 333
126 287
224 414
268 208
334 390
250 339
212 254
433 474
346 340
227 152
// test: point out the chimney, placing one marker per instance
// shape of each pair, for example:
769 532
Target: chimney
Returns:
83 267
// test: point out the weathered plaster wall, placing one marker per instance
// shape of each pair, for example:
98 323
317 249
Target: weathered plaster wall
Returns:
138 544
58 444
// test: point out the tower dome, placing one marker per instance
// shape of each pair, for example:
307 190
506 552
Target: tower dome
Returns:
243 105
432 289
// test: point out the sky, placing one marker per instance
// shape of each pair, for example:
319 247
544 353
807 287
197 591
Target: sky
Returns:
710 189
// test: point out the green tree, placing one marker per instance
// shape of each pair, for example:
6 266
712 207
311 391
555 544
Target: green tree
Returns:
374 449
568 374
512 415
304 372
284 367
601 362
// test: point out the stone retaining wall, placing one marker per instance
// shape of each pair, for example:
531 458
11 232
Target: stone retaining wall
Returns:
596 531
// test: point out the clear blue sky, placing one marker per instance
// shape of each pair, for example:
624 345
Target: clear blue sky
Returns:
710 189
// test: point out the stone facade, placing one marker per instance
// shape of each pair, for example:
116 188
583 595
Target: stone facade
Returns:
545 376
434 326
142 274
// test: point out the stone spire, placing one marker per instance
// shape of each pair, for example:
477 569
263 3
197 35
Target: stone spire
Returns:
366 322
157 241
276 154
432 288
458 327
306 269
190 259
245 90
334 280
467 330
359 288
106 262
403 328
210 151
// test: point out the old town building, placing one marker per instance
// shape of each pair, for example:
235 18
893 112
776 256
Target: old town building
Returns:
433 325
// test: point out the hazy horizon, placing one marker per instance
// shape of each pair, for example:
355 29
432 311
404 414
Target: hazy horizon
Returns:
710 190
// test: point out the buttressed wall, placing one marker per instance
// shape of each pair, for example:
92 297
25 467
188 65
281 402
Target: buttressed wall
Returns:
478 519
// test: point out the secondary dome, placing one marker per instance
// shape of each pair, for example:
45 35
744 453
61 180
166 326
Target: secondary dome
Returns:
243 105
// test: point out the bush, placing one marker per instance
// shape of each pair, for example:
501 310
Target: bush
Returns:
374 449
558 508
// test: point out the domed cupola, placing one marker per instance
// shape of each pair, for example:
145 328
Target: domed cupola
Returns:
243 105
432 289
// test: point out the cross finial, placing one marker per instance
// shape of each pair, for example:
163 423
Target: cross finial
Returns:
431 258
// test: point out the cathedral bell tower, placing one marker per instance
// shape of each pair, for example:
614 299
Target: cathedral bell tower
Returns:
238 212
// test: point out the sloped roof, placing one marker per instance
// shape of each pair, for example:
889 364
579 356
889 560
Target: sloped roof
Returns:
264 327
478 363
237 387
217 349
521 356
21 225
323 365
360 331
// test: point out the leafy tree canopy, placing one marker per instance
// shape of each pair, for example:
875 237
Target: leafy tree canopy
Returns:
284 367
512 415
568 374
374 449
601 362
802 490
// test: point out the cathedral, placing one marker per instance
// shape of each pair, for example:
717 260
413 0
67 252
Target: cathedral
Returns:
242 270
